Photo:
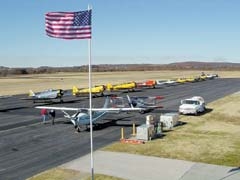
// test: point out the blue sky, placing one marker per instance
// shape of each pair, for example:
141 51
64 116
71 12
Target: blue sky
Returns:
123 31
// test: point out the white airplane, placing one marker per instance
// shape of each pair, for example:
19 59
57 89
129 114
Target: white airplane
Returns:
146 103
82 115
46 95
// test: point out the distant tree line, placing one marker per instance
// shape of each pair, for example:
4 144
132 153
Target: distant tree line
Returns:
6 71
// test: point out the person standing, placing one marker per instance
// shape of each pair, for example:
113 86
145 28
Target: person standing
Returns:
44 114
53 114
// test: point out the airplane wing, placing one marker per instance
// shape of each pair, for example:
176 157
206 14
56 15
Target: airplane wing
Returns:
87 109
137 102
59 108
144 103
36 99
116 109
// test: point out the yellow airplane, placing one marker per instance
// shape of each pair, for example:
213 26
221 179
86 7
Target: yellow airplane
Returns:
130 86
190 79
203 77
96 91
181 80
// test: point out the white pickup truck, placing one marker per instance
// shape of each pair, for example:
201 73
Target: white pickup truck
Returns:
192 105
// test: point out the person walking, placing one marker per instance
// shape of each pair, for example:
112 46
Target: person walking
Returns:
53 114
44 114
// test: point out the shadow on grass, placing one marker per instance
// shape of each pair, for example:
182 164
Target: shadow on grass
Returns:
207 110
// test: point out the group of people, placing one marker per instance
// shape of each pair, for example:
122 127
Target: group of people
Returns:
45 115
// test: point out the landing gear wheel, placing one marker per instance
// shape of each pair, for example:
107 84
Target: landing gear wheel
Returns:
142 112
78 129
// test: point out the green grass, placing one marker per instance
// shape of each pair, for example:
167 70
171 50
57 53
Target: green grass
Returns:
212 138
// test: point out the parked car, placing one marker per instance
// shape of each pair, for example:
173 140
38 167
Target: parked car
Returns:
192 105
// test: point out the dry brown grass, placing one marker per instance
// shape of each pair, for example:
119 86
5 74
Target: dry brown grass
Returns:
68 174
211 138
59 174
22 84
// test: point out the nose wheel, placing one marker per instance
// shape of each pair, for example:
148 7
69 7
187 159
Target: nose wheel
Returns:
80 128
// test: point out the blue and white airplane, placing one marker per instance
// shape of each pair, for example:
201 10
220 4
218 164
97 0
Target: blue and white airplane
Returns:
82 115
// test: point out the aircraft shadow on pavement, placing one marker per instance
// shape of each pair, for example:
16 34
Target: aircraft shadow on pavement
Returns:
103 124
163 111
56 102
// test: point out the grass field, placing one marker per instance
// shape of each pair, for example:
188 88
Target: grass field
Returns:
212 138
22 84
67 174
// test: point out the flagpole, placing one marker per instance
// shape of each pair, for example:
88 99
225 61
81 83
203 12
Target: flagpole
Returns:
90 99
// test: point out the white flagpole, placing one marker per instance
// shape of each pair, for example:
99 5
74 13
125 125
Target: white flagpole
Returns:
90 97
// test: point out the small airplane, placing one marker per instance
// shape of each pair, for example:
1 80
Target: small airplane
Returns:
190 79
212 76
96 91
203 76
129 86
82 115
46 95
147 84
181 80
170 82
160 83
146 103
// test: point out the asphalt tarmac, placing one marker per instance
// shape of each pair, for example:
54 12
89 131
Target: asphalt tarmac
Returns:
28 147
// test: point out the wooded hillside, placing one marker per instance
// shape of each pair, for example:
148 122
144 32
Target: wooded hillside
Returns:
191 65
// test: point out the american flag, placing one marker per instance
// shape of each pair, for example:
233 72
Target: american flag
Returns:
69 25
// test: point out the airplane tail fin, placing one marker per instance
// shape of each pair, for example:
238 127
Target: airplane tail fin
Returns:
75 90
31 93
109 87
